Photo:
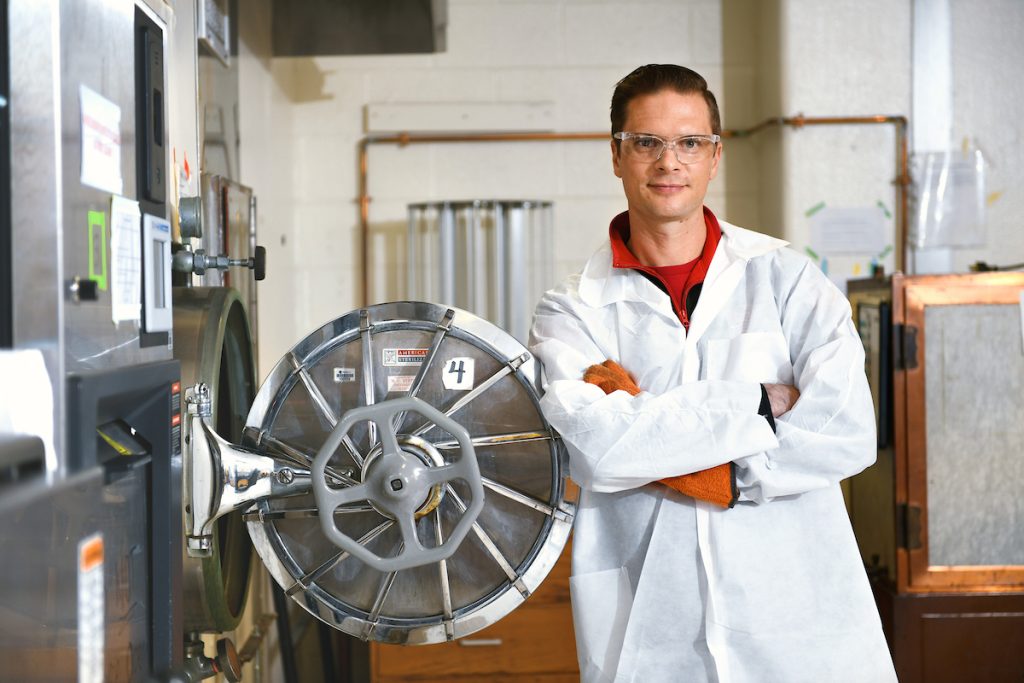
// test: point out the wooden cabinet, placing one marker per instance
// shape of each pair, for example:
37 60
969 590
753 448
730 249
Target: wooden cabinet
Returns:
938 515
535 643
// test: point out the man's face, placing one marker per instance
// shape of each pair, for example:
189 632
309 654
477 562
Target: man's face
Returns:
665 190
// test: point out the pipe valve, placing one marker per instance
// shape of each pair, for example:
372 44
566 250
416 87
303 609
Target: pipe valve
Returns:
198 262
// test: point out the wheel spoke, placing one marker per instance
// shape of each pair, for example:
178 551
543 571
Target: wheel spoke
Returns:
323 406
442 329
301 513
497 440
306 580
300 457
446 588
491 548
382 594
528 501
512 366
313 390
366 332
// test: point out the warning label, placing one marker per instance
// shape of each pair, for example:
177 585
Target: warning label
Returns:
393 358
400 382
91 610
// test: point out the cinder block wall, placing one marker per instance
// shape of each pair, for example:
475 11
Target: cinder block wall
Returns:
764 58
566 52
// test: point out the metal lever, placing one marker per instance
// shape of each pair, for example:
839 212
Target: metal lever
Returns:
198 262
221 477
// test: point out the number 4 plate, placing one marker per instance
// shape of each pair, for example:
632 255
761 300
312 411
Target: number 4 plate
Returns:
458 374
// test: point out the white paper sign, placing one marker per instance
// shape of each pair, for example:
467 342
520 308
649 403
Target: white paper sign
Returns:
840 230
458 374
101 142
126 255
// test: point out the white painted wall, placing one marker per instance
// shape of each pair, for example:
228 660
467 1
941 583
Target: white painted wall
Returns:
988 99
763 58
566 52
266 164
842 58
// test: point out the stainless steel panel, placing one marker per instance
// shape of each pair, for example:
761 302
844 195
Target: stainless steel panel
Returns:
97 49
39 615
36 206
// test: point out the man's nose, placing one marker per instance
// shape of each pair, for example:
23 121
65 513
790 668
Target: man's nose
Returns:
668 161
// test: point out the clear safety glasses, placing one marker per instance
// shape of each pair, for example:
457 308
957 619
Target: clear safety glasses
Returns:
689 149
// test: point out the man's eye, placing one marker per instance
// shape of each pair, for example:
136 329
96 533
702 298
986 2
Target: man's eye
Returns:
646 142
691 144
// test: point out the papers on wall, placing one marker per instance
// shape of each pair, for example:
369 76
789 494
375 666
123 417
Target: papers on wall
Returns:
126 255
849 230
101 142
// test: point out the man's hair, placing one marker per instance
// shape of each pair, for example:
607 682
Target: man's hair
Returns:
652 78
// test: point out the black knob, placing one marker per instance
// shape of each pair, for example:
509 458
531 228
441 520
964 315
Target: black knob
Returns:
88 290
260 263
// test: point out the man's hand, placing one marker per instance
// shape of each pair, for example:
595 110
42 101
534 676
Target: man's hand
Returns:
782 397
716 485
611 376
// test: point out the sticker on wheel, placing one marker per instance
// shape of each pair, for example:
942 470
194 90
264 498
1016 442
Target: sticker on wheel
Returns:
458 374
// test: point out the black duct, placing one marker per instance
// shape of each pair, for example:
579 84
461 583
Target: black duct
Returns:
358 27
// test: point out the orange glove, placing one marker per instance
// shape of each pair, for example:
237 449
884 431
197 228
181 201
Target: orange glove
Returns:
716 485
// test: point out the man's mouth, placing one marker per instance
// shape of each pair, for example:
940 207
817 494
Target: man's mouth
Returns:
666 187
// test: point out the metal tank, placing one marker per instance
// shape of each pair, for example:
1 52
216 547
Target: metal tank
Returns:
494 258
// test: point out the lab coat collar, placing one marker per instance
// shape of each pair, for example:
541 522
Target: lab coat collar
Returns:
602 284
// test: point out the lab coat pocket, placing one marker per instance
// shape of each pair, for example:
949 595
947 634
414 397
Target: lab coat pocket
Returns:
751 357
601 603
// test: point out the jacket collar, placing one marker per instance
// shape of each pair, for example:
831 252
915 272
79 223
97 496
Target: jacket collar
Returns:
601 283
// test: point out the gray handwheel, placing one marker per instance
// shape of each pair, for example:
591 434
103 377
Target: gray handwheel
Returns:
397 483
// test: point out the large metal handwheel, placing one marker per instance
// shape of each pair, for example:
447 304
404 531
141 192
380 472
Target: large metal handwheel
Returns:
446 510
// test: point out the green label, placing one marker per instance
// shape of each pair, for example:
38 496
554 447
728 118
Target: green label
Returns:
98 248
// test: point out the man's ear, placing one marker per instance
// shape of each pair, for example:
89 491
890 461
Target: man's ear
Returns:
616 160
715 160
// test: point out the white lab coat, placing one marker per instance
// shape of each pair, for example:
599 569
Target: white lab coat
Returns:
666 588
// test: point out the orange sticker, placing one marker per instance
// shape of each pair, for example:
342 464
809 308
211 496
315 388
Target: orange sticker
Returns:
176 419
90 555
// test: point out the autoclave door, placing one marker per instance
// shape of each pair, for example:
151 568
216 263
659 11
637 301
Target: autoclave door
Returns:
396 474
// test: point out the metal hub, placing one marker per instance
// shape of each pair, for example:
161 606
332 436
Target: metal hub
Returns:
398 484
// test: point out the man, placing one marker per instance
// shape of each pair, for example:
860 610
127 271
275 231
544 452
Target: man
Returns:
742 385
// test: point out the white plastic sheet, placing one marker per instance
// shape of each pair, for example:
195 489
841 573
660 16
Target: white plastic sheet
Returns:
950 199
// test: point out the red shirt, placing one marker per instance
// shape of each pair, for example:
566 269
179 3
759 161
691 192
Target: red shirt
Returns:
677 281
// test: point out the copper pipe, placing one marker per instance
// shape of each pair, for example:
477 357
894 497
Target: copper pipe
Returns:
902 180
402 139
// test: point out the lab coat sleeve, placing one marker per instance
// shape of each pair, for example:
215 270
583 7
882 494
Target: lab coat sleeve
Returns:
829 434
617 441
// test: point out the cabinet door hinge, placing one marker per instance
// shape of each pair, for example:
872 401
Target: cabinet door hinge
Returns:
908 526
904 342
